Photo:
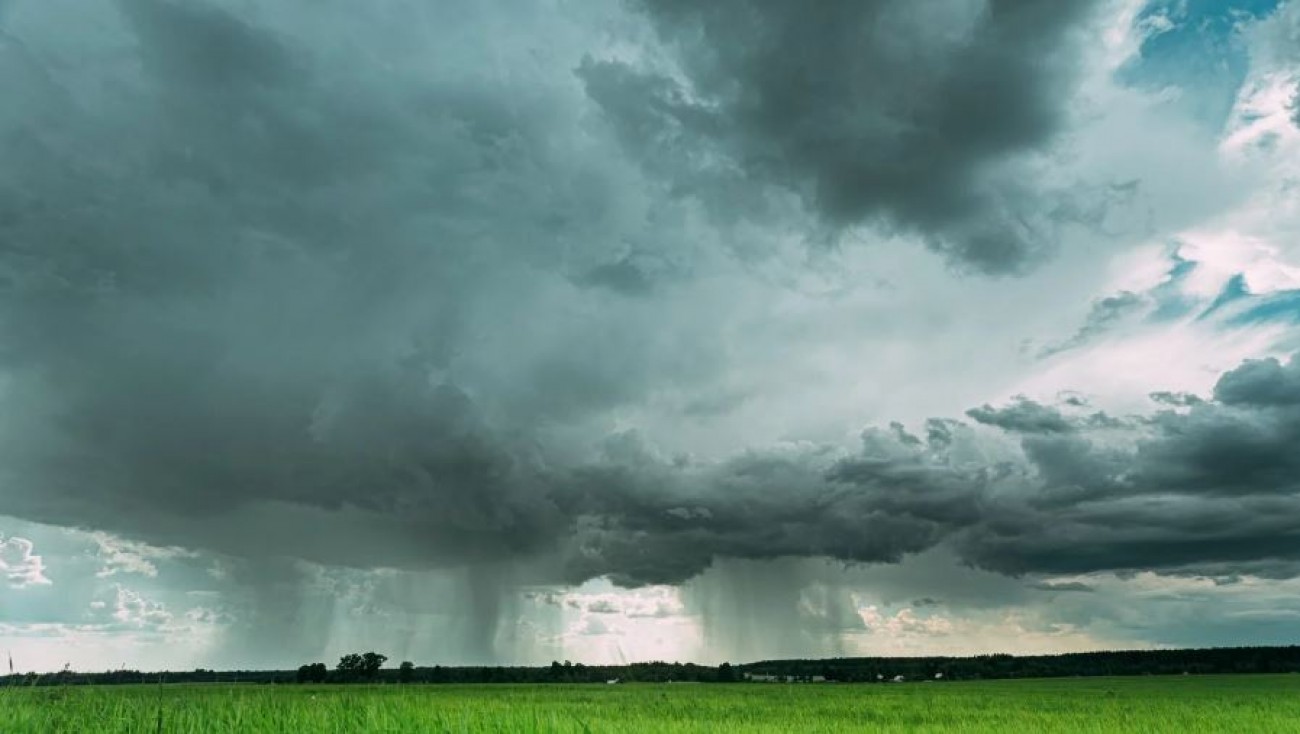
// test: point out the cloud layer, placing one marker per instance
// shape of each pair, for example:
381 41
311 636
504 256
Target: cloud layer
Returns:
540 294
1203 489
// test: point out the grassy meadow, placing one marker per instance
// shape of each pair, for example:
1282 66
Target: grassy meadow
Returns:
1147 704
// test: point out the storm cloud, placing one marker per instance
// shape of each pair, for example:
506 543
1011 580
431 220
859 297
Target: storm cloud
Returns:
864 109
508 295
232 285
1196 491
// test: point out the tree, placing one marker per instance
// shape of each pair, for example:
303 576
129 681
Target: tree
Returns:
363 666
371 662
313 673
726 674
349 666
406 671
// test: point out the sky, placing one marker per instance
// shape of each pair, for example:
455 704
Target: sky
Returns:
507 332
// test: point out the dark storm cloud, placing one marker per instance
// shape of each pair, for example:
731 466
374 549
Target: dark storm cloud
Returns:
651 522
241 295
203 46
264 294
1201 491
915 115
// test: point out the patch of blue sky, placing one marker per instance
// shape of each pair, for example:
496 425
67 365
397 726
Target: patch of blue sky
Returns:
1234 290
1235 306
1279 307
1196 47
1171 302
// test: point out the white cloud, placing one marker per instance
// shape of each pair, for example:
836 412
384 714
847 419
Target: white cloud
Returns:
19 566
903 622
121 557
653 602
1015 630
134 611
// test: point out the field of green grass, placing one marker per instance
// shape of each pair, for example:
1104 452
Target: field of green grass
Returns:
1151 704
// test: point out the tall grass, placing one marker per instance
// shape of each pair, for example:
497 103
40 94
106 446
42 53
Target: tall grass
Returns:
1182 704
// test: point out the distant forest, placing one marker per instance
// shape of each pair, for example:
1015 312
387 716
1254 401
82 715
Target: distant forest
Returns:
366 668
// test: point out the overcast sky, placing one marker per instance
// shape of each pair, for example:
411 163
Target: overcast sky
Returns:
474 331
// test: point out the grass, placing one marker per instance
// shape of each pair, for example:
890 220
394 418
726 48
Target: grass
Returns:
1151 704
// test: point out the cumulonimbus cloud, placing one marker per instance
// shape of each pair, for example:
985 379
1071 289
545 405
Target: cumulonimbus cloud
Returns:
277 298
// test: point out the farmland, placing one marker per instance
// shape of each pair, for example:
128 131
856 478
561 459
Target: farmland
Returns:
1186 704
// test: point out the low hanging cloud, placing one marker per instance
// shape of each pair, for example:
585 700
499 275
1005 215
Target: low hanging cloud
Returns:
1203 490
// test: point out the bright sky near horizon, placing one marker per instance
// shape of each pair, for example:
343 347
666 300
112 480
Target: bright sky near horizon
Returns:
507 332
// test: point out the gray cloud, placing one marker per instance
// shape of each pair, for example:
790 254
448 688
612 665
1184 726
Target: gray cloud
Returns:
205 49
622 276
1023 416
863 109
754 506
1176 399
1210 486
1187 492
263 294
1261 383
244 295
1105 314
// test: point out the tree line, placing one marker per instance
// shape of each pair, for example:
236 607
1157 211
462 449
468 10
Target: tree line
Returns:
369 667
1208 661
363 668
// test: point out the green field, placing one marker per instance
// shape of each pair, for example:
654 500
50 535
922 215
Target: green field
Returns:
1150 704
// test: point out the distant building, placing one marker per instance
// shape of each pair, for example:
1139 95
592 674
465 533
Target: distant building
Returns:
761 678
